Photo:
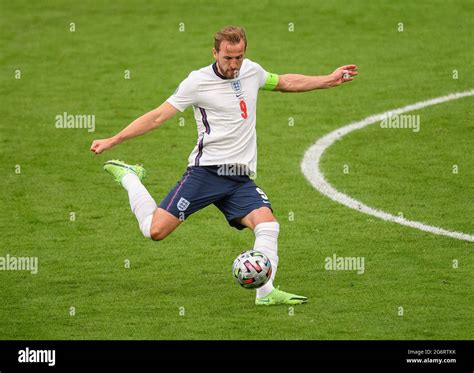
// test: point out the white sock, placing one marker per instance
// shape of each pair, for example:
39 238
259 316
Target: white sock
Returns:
266 241
141 202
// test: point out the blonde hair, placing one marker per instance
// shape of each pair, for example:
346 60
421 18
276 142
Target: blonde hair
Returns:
233 34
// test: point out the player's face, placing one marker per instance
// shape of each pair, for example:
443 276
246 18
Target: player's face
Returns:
229 58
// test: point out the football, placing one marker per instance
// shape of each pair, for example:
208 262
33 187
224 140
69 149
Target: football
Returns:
252 269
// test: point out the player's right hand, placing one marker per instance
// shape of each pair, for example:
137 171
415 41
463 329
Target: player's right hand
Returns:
99 146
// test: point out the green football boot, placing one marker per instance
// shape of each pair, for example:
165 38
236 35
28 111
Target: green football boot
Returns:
119 169
280 297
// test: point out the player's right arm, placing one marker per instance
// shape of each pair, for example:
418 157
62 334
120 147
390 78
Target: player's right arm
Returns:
140 126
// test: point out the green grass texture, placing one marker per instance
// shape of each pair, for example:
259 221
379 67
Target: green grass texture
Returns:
99 278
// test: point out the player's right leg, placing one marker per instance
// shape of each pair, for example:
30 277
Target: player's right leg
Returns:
163 224
155 223
197 189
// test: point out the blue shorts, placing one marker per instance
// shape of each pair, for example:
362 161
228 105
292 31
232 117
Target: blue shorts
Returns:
236 196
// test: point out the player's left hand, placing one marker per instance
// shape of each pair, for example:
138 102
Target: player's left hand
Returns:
343 74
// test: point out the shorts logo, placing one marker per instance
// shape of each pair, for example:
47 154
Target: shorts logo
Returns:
183 204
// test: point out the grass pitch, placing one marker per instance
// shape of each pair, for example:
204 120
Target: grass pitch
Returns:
58 204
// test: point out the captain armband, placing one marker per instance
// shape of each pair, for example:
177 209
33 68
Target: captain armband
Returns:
271 82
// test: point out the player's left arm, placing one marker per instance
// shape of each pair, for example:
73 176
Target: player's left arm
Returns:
303 83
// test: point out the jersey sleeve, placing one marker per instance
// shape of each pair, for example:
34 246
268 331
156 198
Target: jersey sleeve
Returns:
186 93
267 81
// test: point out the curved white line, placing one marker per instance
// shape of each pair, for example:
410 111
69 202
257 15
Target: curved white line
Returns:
311 168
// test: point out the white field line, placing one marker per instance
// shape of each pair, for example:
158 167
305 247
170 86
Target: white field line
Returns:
311 168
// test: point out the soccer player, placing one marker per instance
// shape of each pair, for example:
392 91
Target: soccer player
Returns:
224 99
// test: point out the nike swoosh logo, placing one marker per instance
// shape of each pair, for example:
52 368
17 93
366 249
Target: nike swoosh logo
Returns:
121 165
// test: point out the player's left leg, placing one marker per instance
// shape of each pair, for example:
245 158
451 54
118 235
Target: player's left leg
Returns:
248 206
266 230
259 215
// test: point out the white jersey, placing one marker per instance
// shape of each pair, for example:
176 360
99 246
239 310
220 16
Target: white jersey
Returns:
225 113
